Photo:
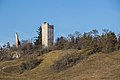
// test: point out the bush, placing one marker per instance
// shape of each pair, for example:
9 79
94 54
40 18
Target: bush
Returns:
67 61
30 63
4 56
26 65
13 69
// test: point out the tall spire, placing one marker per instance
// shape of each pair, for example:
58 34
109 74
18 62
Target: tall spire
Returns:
17 40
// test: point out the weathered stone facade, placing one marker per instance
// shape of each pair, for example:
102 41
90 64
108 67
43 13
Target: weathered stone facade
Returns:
47 34
17 40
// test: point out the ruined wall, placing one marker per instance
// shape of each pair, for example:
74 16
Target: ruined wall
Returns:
47 34
50 35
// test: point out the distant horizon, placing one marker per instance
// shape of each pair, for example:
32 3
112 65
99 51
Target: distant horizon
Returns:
26 16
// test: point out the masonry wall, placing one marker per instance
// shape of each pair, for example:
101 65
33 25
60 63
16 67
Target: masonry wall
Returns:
47 34
44 34
50 35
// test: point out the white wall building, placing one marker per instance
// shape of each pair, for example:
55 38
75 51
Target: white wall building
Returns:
47 34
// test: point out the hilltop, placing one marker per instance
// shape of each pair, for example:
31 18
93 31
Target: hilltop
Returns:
98 66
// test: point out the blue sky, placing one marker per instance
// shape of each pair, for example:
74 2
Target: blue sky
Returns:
68 16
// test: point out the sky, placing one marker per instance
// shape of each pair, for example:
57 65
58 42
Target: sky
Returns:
67 16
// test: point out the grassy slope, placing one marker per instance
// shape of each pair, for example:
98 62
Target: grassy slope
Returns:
96 67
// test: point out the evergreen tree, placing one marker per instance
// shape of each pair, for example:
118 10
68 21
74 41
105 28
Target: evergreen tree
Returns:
118 42
86 41
109 41
95 46
60 43
38 40
8 45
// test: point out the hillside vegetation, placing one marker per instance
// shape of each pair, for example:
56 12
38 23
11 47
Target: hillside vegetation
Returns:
87 56
69 64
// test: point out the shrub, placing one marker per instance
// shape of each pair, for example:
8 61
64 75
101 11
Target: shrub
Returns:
14 69
67 61
26 65
4 56
30 63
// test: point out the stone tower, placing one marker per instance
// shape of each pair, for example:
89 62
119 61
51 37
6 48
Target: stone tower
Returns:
47 34
17 40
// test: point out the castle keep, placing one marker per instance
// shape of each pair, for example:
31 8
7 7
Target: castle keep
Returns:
47 34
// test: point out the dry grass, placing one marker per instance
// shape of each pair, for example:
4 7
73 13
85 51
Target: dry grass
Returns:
96 67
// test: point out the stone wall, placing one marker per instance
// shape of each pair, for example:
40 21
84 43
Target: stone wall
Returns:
47 34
